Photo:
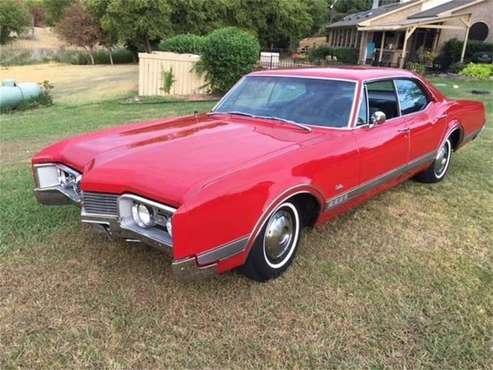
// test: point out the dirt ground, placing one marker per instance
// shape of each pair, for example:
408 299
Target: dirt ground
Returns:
75 84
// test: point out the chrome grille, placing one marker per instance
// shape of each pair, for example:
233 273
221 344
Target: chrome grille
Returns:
101 204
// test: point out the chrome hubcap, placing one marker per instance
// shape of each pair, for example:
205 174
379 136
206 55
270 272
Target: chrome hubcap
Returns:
278 234
442 159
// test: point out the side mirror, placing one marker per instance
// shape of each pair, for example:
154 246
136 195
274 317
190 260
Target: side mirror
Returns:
377 118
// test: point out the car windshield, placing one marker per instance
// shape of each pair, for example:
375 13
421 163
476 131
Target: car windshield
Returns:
321 102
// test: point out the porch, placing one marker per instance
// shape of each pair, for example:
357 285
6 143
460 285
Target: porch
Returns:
394 44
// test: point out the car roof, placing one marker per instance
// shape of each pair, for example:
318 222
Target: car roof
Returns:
356 73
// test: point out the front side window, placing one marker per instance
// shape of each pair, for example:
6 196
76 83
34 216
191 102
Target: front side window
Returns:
382 97
412 98
363 110
321 102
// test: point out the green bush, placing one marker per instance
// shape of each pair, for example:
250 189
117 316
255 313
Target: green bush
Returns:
183 44
452 49
343 55
416 67
72 57
228 54
120 56
479 71
456 67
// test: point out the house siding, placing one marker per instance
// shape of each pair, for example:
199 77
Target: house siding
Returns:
482 12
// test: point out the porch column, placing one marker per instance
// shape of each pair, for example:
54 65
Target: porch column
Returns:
363 45
382 43
466 37
408 34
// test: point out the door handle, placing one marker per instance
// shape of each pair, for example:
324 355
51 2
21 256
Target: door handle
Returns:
407 129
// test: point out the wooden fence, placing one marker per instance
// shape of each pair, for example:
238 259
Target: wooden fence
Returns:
154 67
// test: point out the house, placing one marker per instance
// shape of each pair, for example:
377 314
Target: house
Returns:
393 33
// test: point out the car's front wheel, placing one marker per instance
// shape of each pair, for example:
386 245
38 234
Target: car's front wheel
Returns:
275 246
436 172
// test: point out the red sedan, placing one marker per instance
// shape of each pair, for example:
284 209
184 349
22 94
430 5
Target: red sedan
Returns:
283 150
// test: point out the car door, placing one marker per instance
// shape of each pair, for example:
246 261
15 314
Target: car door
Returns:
418 109
383 148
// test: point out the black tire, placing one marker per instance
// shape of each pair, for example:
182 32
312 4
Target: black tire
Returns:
261 264
439 168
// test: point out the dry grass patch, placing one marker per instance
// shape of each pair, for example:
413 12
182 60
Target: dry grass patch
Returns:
76 84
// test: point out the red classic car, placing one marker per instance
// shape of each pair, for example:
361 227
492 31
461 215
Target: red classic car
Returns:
283 150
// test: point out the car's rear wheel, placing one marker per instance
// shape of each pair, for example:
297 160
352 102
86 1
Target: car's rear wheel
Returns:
275 246
438 169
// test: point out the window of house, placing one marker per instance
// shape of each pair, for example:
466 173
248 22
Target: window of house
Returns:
412 98
479 31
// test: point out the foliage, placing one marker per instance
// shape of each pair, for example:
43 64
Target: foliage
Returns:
46 98
483 57
479 71
228 54
186 43
79 27
343 55
416 67
72 57
168 80
119 56
456 67
54 10
109 36
14 17
37 10
137 22
452 49
276 23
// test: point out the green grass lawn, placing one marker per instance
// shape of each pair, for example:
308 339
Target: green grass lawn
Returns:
405 281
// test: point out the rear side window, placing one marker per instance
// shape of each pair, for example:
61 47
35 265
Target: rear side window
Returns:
382 97
412 98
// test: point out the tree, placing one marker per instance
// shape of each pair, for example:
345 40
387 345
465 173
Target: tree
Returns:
37 10
277 23
137 22
108 37
14 18
55 9
78 27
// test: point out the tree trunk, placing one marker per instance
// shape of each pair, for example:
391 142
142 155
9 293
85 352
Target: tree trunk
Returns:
147 45
91 55
111 56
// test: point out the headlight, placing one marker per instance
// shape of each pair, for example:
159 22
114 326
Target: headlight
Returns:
143 215
51 176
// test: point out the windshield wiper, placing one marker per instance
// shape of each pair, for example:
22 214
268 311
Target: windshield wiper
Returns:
238 113
284 120
300 125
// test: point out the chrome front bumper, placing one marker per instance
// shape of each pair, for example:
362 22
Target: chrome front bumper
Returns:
183 269
114 227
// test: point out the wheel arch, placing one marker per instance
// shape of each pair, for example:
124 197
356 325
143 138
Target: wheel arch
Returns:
304 196
455 131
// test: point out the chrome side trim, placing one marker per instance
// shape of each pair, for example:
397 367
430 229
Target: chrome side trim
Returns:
362 189
223 252
187 268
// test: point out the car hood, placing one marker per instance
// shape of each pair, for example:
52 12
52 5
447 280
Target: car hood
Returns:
165 159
